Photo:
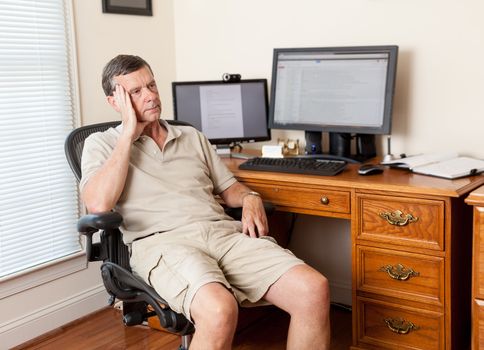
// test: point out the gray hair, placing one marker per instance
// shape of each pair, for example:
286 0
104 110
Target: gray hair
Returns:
120 65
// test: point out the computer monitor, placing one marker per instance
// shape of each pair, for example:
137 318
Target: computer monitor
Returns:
227 113
345 91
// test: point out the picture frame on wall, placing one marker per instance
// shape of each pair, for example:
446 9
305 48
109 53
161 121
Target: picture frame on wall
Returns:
128 7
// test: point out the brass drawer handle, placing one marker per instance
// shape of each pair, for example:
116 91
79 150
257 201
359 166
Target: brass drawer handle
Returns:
397 218
400 326
399 272
324 200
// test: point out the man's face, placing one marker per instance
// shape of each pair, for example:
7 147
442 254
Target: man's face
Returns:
141 87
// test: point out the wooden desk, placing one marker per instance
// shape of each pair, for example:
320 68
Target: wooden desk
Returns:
476 198
411 249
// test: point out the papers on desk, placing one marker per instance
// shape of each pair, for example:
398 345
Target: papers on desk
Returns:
446 165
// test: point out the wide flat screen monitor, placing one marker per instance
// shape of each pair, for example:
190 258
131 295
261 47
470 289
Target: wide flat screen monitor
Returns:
225 112
347 90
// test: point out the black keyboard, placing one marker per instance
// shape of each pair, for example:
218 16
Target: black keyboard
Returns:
311 166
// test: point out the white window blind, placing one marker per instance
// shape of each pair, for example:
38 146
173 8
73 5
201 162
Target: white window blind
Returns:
38 194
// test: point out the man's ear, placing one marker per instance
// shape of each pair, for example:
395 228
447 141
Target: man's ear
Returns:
112 101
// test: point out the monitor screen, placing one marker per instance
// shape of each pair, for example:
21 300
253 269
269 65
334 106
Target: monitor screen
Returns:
334 89
225 112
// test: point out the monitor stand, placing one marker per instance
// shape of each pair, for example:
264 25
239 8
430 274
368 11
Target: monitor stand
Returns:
340 146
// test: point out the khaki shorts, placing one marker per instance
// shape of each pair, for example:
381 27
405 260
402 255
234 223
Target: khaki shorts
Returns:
177 263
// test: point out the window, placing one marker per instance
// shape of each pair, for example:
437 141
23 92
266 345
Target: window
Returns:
39 203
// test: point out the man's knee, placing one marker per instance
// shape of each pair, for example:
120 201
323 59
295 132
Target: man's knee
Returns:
315 288
311 291
215 307
224 313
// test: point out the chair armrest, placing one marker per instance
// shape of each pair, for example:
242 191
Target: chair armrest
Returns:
92 223
236 213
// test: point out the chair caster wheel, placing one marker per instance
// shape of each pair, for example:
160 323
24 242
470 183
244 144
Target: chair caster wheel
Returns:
132 319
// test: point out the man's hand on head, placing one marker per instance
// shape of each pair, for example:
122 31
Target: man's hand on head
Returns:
132 128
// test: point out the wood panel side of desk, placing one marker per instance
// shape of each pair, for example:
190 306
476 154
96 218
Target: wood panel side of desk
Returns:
476 199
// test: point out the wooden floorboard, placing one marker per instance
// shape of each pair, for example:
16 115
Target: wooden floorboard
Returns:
105 330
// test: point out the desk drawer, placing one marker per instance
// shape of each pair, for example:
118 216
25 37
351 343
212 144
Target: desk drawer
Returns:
385 326
401 221
319 199
401 275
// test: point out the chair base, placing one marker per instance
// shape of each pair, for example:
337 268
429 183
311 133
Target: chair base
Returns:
186 340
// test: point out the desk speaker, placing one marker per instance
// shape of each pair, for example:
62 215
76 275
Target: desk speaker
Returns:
313 142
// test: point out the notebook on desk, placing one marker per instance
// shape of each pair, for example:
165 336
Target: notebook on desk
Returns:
445 165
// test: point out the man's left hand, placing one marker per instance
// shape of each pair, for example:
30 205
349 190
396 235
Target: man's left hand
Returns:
254 219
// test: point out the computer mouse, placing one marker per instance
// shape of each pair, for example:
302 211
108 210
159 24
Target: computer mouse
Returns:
370 169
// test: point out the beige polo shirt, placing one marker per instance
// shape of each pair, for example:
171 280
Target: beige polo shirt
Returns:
165 189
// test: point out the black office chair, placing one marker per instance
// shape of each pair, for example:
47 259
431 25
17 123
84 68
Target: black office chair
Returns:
137 296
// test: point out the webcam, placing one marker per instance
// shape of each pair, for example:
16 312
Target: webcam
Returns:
227 77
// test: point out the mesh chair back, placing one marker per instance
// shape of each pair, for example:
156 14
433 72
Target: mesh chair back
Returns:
117 251
75 143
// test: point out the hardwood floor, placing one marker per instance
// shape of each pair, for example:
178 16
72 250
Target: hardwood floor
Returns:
105 330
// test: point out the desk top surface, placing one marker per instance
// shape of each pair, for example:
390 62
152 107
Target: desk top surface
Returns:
397 180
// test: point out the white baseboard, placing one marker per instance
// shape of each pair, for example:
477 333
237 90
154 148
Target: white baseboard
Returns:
40 321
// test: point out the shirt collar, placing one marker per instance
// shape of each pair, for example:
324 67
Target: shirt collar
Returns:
172 131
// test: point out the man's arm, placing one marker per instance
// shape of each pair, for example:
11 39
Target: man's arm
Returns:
254 219
104 188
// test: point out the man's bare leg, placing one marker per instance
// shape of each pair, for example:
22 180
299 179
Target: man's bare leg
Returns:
304 293
214 311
